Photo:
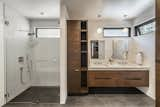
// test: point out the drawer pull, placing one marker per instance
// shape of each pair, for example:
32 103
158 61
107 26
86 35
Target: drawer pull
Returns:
133 78
103 78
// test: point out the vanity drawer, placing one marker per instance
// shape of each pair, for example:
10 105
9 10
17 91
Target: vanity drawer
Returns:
102 79
134 79
118 78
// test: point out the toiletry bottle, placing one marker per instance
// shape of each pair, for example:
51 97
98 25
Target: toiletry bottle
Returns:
139 58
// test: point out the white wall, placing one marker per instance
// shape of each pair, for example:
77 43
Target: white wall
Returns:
146 44
2 61
63 54
16 35
46 72
46 62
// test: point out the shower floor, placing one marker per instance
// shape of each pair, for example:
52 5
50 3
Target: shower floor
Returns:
39 95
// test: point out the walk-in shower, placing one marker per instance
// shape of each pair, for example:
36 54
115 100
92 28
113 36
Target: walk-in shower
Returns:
32 52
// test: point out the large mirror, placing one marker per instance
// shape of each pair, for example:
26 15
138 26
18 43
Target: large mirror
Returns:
120 49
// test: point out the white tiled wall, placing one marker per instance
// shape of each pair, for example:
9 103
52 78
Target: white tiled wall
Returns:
146 44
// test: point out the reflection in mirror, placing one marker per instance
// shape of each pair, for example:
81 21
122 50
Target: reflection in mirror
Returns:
94 49
101 49
97 49
120 49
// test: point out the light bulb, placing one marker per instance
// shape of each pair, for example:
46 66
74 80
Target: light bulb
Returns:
99 30
125 29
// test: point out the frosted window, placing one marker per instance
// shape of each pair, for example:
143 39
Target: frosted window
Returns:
145 28
48 32
116 32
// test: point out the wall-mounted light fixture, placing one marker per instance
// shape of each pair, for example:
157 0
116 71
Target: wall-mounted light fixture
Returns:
99 30
125 29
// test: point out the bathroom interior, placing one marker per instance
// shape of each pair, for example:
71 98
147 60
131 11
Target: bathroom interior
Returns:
32 35
115 49
105 47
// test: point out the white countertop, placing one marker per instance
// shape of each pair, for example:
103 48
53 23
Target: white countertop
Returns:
129 67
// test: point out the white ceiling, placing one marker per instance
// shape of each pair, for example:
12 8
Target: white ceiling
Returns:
32 8
109 9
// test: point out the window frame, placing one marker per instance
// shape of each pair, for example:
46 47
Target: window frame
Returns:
136 28
129 32
36 29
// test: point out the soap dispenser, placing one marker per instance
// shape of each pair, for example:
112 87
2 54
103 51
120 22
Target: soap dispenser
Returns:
139 58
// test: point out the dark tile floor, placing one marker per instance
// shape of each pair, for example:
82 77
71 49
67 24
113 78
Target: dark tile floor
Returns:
99 100
39 95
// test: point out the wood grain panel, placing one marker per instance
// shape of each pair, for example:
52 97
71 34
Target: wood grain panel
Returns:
73 57
118 78
134 79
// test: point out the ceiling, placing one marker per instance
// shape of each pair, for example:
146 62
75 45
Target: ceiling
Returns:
107 9
36 9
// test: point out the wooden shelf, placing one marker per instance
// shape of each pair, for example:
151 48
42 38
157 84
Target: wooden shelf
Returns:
84 51
84 30
84 41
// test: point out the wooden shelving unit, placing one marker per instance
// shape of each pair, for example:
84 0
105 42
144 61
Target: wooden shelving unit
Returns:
77 61
84 56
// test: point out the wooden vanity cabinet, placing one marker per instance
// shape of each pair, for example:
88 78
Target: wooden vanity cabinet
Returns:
118 78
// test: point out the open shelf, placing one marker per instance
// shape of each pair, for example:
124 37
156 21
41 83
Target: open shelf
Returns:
83 35
83 25
83 79
84 57
84 46
84 60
